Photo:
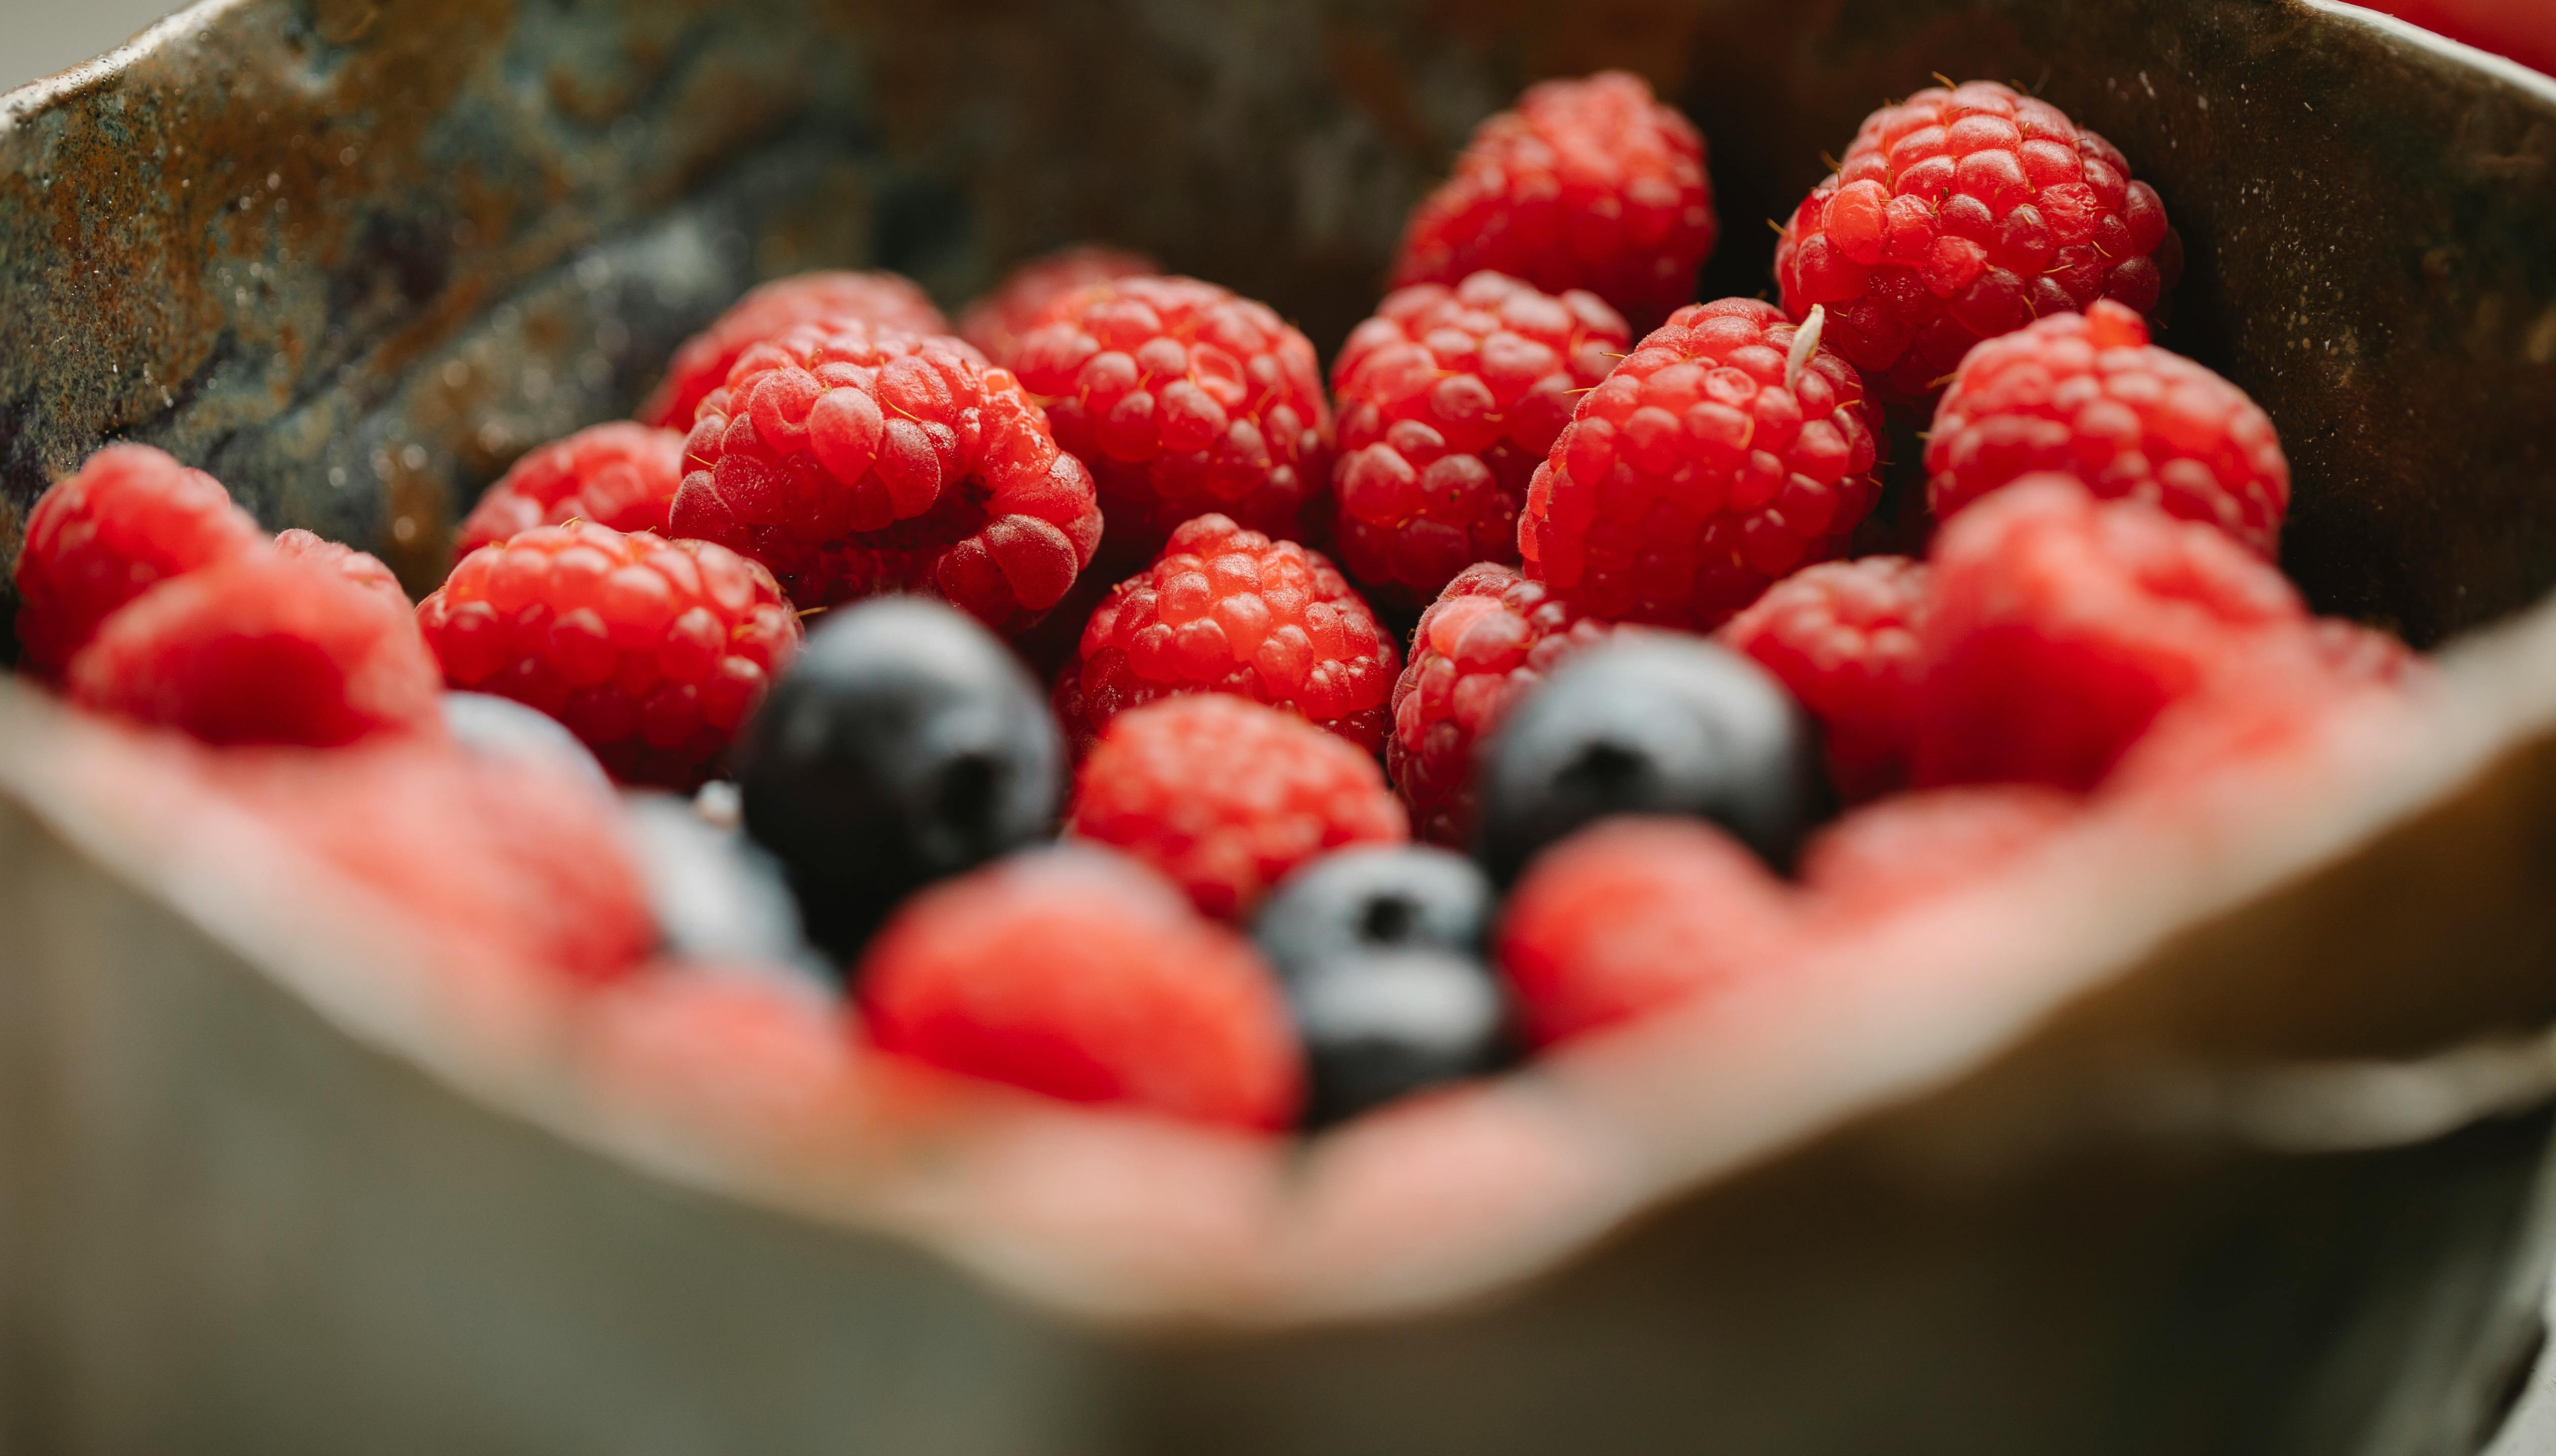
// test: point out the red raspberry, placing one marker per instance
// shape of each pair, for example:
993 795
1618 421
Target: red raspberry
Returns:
1589 183
1706 466
1448 399
2062 624
1229 611
855 464
1910 847
1182 397
1961 215
2271 710
488 855
1841 636
2089 395
651 651
879 302
362 567
1633 916
1225 796
1488 638
996 322
2353 653
1078 973
131 517
261 649
620 474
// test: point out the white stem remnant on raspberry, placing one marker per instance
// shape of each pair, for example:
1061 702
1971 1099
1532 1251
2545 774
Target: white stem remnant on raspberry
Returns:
1806 342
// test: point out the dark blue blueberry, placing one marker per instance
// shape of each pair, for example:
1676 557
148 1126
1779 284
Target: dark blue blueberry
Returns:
903 745
1375 898
1652 723
1381 951
1381 1024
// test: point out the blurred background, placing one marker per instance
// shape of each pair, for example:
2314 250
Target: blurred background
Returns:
40 37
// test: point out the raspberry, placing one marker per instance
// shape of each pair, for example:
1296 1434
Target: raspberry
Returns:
1488 638
1635 915
506 856
1708 465
1229 611
1910 847
1589 183
1961 215
876 301
1448 399
620 474
261 649
2089 395
131 517
362 567
2353 653
2062 624
651 651
1225 796
1183 398
2271 712
996 322
854 464
1078 973
1841 636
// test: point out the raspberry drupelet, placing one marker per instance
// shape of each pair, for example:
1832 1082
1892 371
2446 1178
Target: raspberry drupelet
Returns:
1729 448
129 518
2062 624
1183 398
1226 797
853 464
267 647
1229 611
1589 183
996 322
2089 395
1447 399
885 302
1842 637
651 651
1078 974
1489 638
617 475
1961 215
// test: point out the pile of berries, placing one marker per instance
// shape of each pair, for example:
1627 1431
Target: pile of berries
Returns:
1251 854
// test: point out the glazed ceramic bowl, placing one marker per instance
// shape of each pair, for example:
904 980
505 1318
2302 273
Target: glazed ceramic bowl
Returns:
2147 1144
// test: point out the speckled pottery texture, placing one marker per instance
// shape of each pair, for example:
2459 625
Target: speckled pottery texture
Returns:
353 257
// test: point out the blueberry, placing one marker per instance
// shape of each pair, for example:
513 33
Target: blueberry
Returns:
718 896
1378 1024
502 728
1381 951
1652 723
904 744
1375 898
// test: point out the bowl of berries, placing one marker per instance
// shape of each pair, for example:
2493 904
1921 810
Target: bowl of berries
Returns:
1134 732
